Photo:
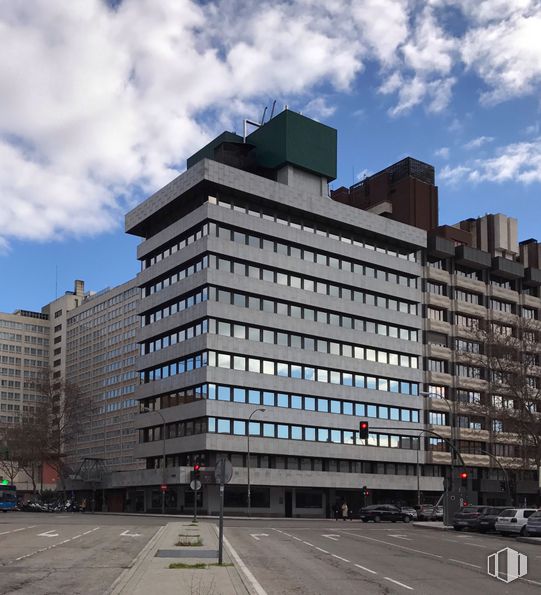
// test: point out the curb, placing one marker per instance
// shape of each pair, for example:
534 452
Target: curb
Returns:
201 517
534 540
433 527
121 582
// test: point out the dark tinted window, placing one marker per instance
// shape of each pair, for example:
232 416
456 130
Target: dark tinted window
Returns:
528 513
509 512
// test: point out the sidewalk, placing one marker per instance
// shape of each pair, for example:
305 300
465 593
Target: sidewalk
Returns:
150 572
431 525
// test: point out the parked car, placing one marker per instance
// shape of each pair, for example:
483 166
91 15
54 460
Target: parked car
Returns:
468 517
513 520
488 519
411 511
428 512
533 526
383 512
437 515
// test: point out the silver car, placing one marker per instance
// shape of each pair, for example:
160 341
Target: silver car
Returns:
513 521
533 526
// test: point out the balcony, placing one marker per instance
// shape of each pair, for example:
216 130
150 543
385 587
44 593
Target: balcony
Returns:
472 258
508 269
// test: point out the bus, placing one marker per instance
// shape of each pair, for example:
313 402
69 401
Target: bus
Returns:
8 497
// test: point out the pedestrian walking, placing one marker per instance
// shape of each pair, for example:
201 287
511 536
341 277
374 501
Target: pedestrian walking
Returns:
345 511
336 511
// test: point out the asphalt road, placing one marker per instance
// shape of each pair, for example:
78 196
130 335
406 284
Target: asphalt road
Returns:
328 557
46 554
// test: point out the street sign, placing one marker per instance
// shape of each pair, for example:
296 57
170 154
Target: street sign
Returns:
195 485
163 487
223 472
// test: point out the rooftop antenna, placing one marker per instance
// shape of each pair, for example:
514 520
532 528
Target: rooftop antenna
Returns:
272 110
263 116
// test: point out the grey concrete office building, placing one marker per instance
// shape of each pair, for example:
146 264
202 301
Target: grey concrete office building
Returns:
275 315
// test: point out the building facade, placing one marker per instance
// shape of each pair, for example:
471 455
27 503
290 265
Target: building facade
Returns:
274 319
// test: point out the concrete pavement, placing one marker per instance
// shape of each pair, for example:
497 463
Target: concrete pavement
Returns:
151 573
351 558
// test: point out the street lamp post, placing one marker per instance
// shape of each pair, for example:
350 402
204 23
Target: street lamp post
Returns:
248 461
163 453
450 405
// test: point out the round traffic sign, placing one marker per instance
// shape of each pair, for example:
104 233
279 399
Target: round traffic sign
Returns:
223 472
195 485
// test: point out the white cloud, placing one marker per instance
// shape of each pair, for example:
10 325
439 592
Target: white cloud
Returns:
442 152
516 162
505 55
478 142
318 109
101 105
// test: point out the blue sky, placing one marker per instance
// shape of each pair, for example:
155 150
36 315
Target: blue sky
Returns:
102 103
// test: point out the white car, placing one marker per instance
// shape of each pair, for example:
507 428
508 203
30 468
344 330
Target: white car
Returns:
513 520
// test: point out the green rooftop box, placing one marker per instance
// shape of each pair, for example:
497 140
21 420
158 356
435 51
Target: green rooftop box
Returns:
292 138
208 150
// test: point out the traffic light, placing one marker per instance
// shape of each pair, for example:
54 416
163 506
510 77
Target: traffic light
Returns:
365 491
463 478
196 470
363 430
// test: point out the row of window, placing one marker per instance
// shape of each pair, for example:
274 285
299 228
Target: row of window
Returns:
100 306
341 235
187 238
293 340
185 302
238 394
311 284
176 276
239 427
278 368
309 255
273 306
479 299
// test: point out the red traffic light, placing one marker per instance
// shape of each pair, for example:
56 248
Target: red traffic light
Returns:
463 475
196 467
363 430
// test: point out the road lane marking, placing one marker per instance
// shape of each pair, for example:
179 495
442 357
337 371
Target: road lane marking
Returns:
44 549
127 533
400 537
466 563
402 547
249 576
397 583
465 543
528 580
51 533
332 536
256 536
365 569
16 530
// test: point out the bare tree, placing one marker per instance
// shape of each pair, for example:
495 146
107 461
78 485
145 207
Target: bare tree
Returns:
9 467
57 420
510 356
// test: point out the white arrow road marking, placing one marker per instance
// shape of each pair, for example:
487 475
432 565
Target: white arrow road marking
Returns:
22 529
400 537
256 536
332 536
51 533
128 534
